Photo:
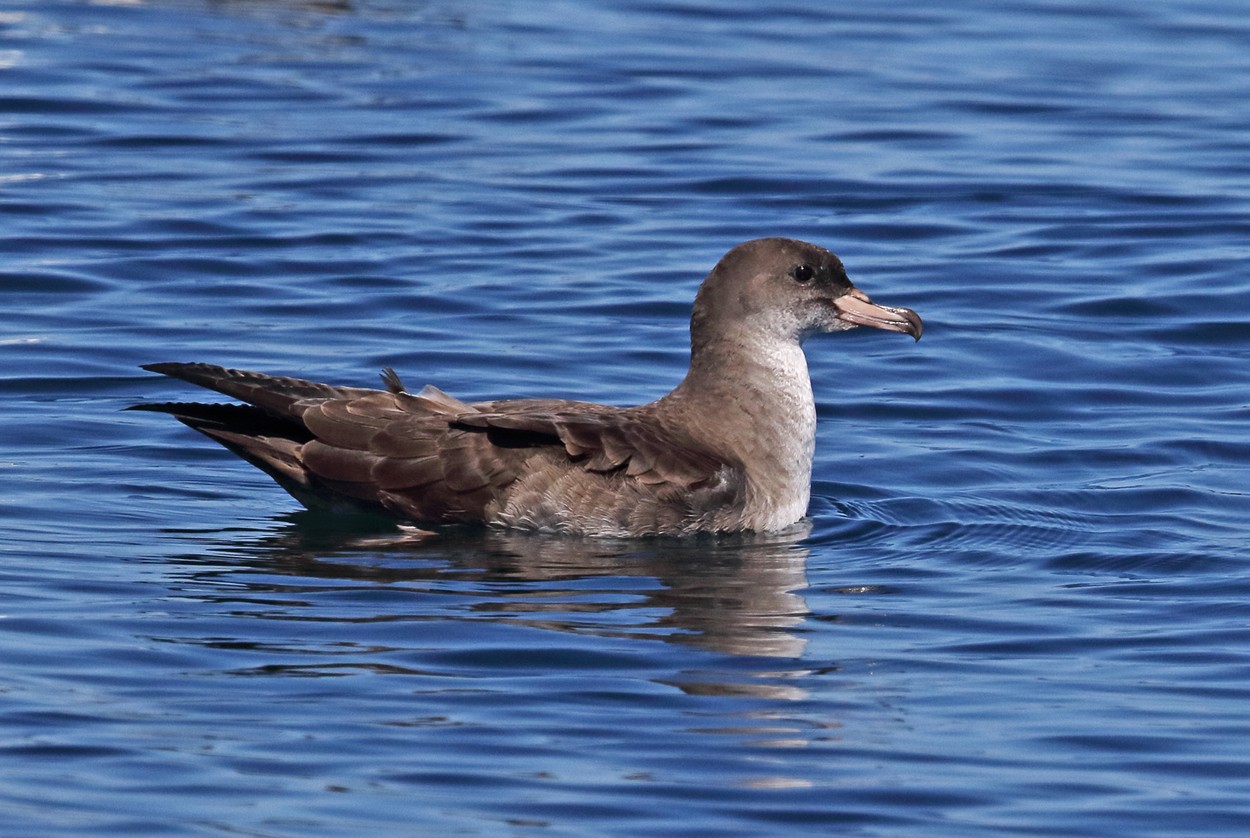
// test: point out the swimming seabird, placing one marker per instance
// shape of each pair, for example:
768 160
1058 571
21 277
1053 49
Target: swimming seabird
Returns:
728 450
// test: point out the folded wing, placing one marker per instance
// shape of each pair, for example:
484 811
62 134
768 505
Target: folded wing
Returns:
431 457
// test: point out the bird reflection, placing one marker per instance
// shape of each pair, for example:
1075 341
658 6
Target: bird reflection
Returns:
737 595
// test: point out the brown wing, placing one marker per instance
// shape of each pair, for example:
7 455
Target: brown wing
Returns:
275 394
604 440
434 458
402 452
321 442
429 456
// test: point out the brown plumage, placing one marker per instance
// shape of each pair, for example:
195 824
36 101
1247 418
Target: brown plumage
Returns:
728 449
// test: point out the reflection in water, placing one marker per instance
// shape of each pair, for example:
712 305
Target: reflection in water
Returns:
455 611
737 595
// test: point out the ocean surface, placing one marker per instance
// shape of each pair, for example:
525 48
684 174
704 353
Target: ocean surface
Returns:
1021 605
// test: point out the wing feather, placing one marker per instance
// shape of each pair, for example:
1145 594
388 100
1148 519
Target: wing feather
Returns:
609 440
430 456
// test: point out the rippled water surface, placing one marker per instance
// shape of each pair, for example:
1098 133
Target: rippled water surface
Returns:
1022 604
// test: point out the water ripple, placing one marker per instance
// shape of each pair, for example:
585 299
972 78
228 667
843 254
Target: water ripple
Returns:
1018 605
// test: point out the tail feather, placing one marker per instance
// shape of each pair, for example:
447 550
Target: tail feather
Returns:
235 418
271 443
276 394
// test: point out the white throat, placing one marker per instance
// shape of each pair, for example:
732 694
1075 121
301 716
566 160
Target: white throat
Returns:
780 470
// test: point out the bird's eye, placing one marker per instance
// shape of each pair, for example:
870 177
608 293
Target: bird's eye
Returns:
803 273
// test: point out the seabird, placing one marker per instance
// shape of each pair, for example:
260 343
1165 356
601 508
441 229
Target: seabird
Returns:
728 450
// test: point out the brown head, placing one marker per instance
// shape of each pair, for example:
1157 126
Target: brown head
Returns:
787 289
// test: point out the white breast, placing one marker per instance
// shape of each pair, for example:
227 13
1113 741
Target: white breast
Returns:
782 437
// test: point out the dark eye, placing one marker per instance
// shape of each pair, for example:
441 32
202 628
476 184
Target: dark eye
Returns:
803 273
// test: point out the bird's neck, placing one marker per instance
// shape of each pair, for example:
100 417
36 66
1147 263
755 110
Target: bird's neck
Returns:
749 397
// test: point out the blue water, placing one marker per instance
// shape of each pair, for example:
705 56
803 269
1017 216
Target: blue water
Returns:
1023 604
